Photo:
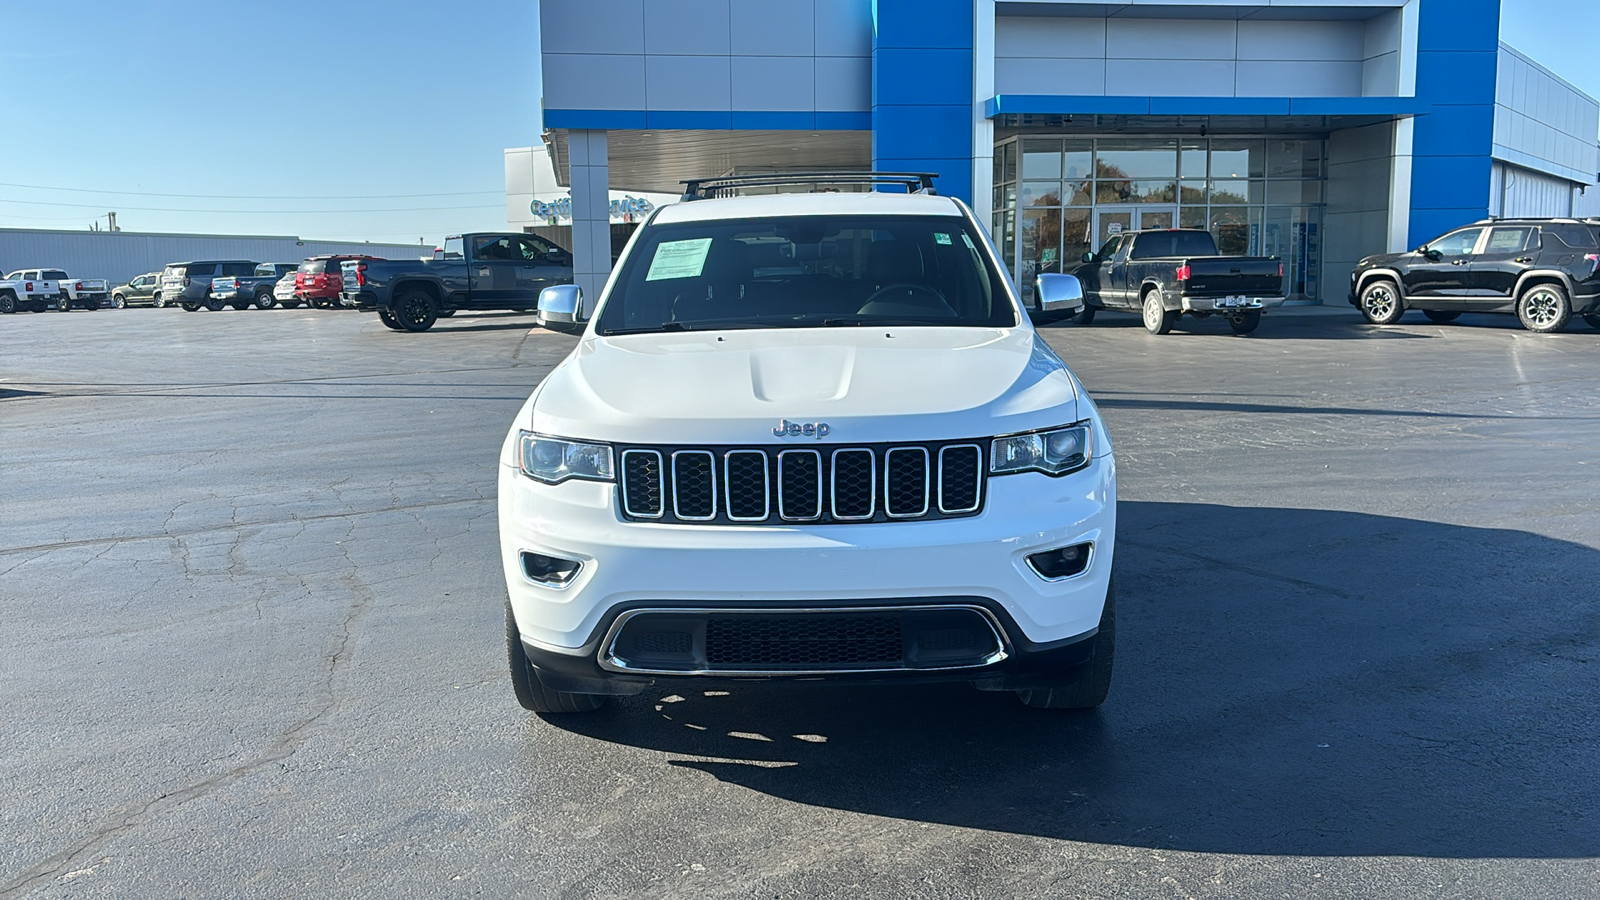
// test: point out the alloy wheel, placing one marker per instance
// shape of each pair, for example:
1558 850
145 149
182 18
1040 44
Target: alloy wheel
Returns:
1379 302
1542 307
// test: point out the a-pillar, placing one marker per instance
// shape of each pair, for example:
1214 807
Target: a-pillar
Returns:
589 176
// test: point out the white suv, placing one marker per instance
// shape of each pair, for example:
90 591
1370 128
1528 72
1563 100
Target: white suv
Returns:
809 436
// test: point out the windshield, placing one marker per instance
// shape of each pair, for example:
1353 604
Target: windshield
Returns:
807 272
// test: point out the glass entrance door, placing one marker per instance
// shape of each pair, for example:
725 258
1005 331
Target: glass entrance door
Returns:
1110 221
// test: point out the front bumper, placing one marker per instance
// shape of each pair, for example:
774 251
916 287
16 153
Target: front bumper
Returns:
979 560
1226 305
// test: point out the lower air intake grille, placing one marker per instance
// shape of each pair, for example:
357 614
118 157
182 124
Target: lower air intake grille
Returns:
804 642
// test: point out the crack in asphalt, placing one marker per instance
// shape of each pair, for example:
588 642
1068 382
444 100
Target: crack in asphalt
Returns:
284 746
230 526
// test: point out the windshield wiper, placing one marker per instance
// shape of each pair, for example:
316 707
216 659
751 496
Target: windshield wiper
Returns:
647 329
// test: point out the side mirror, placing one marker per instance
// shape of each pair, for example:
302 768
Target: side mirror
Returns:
1432 254
1059 293
1088 257
561 304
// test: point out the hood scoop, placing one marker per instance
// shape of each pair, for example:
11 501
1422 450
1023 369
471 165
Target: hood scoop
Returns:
800 373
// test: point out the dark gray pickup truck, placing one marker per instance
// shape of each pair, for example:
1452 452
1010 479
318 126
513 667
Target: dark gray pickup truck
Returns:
1166 273
473 271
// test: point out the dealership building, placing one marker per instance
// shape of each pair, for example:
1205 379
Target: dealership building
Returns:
1318 131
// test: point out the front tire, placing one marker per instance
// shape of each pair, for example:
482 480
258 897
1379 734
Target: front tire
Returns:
119 302
190 307
1085 688
1544 309
1157 320
159 302
1245 322
1441 316
1380 302
531 692
8 304
416 311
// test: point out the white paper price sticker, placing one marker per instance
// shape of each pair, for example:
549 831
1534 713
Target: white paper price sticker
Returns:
679 259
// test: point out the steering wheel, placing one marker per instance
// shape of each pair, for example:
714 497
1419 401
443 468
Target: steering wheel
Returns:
908 288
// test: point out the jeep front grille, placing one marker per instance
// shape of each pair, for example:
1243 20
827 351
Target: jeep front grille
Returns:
802 485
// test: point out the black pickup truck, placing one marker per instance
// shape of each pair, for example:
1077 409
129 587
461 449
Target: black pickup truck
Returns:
1166 273
473 271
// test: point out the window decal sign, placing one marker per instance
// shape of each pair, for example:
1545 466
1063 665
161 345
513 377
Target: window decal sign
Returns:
679 259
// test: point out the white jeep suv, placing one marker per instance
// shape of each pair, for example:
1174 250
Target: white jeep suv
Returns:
808 436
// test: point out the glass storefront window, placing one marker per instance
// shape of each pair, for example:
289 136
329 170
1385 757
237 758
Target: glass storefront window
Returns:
1226 192
1294 159
1076 239
1041 193
1077 161
1041 158
1257 196
1294 192
1238 159
1192 159
1136 159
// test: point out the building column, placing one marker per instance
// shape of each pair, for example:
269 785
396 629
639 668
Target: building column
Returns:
589 179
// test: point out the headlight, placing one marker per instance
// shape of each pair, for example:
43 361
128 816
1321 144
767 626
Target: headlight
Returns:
1054 452
553 460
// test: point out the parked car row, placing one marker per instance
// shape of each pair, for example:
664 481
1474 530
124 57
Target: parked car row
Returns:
36 290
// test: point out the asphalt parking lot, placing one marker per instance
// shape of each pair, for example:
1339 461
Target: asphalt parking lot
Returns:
250 606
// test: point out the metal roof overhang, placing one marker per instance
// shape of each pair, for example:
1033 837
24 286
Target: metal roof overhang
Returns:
661 159
1193 115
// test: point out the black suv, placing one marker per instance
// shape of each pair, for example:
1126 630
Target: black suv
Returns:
1544 270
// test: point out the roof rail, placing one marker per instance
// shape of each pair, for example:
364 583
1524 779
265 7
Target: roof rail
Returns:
708 188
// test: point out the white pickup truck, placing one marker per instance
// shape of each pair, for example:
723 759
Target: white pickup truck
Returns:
808 437
28 290
84 293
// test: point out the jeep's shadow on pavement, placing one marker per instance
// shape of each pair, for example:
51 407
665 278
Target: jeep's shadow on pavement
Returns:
1289 681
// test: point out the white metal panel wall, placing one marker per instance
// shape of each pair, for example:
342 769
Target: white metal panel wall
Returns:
121 255
1211 57
707 55
1516 191
1543 123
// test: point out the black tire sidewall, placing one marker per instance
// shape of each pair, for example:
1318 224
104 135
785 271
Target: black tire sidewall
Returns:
1394 291
415 301
1566 308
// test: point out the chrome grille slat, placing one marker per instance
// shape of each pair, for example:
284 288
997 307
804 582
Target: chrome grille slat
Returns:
743 483
906 480
795 478
853 501
641 484
694 485
960 480
820 484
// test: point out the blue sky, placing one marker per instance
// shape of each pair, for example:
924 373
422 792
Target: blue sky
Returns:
273 113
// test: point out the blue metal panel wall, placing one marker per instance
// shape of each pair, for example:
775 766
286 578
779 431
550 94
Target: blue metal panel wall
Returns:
922 90
1458 42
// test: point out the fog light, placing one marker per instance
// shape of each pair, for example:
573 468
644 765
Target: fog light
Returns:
1065 562
549 570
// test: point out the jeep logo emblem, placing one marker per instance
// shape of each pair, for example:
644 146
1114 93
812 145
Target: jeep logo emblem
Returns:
786 428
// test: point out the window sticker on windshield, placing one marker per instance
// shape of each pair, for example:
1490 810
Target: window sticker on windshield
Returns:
965 239
679 259
940 237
